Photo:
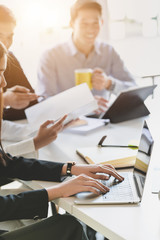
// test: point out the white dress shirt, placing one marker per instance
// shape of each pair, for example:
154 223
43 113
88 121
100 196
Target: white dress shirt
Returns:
57 65
18 133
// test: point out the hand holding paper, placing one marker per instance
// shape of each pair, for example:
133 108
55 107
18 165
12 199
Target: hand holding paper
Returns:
74 102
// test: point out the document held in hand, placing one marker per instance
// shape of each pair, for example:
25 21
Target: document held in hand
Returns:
74 102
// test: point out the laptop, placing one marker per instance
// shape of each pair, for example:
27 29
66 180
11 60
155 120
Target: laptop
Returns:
131 189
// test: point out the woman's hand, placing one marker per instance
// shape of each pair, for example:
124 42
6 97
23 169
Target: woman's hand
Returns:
95 171
48 134
18 97
81 183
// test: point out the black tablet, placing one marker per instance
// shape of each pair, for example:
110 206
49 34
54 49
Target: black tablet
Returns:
129 104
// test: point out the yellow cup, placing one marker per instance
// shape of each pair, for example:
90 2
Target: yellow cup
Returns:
84 75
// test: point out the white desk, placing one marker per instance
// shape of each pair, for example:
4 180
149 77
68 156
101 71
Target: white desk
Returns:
126 221
113 221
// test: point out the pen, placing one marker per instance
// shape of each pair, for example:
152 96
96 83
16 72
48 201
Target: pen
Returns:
122 146
21 92
88 160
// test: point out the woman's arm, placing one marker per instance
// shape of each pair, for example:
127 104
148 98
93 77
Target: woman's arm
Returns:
31 169
47 133
27 205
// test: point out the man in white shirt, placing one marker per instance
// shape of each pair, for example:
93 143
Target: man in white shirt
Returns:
83 50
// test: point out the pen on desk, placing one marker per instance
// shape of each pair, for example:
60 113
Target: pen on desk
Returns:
120 146
101 141
88 160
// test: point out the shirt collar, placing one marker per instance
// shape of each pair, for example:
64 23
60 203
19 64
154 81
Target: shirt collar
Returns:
73 50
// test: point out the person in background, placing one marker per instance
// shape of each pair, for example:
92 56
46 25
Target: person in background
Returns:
34 204
83 50
18 94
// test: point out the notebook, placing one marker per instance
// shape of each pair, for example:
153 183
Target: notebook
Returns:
131 189
119 157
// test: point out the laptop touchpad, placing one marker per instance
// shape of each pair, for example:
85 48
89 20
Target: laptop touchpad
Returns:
86 195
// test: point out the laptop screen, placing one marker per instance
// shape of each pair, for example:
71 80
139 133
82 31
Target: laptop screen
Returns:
143 158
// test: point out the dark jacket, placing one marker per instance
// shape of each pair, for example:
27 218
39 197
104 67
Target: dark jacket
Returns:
30 204
14 75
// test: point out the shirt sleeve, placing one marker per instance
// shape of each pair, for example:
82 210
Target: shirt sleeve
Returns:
120 76
9 128
47 78
25 148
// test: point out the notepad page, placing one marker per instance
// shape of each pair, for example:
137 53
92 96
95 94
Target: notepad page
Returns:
117 156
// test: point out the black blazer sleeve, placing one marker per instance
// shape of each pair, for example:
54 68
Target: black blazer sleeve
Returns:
27 205
31 169
14 75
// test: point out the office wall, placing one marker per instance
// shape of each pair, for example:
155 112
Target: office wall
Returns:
43 23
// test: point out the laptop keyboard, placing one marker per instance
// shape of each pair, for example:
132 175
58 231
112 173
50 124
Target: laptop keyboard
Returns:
119 191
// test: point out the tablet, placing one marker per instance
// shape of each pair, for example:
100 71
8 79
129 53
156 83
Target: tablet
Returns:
129 105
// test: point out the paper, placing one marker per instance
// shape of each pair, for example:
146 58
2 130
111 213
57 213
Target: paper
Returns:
91 124
75 101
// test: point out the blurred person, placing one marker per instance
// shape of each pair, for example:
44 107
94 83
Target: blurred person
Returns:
18 94
34 204
19 97
83 50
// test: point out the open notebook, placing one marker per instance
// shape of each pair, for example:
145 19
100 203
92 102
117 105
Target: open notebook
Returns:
119 157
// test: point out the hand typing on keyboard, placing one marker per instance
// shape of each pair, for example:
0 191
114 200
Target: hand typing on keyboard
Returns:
97 171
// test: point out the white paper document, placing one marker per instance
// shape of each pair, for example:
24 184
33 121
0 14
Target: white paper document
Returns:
74 102
91 124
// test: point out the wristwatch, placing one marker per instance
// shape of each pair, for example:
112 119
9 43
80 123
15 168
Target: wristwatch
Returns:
69 166
112 85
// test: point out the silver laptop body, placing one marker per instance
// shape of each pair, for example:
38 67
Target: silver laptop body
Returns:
131 189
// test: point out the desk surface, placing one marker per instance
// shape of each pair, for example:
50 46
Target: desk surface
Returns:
113 221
